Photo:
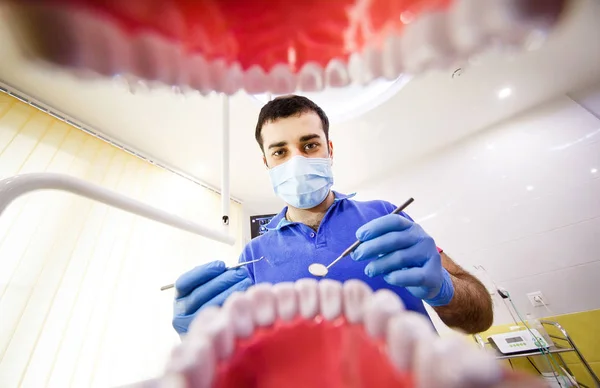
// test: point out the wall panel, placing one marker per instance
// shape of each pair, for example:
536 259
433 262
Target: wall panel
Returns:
79 281
521 199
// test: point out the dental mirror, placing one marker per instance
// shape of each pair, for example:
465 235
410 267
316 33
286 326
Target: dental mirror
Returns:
320 270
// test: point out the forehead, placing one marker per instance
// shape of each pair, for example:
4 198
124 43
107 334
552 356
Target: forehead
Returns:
292 128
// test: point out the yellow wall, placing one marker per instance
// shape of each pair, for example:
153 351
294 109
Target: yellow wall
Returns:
79 282
584 330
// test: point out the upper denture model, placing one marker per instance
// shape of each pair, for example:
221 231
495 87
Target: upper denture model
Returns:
270 46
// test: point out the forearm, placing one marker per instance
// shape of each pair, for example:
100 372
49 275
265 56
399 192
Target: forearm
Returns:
470 309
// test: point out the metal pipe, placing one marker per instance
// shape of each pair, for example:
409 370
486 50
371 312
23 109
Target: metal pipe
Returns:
225 162
18 185
574 347
238 265
479 340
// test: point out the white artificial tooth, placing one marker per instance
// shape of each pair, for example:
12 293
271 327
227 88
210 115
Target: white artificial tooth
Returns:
515 22
167 380
330 297
84 41
363 68
179 76
168 60
428 354
218 74
194 360
500 22
202 370
120 53
458 365
199 74
536 14
356 68
286 300
64 47
392 57
233 79
282 80
404 332
478 369
215 324
308 297
151 57
378 309
465 28
263 304
373 63
102 45
425 43
255 80
239 309
171 380
336 74
355 294
310 78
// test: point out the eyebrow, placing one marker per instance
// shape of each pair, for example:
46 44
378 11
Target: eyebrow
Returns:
303 139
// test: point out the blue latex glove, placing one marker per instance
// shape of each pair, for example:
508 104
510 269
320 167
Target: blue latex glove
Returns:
406 256
206 285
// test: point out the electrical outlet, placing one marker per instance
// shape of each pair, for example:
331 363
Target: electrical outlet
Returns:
537 299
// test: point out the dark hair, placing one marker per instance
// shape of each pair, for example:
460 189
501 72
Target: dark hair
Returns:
287 106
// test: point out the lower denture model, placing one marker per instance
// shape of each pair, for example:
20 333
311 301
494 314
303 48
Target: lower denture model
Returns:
271 46
322 334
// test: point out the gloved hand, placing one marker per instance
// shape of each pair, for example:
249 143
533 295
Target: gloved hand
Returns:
406 256
206 285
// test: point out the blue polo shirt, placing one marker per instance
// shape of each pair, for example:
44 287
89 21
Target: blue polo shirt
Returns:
290 247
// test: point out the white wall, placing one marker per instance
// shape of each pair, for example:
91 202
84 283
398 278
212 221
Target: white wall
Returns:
521 199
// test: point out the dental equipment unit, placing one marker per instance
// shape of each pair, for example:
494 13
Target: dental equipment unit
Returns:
16 186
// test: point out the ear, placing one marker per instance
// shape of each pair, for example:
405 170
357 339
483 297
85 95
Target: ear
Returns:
265 162
331 151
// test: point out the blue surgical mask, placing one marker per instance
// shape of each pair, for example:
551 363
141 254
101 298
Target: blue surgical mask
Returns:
302 182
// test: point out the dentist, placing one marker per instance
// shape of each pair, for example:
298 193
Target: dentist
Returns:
319 223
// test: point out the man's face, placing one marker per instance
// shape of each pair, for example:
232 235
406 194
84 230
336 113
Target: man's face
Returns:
294 136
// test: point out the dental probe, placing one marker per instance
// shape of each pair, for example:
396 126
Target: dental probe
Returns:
238 265
320 270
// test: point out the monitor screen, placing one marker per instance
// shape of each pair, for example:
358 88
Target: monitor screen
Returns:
258 224
514 339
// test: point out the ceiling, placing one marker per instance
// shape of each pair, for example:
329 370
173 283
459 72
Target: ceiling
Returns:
431 112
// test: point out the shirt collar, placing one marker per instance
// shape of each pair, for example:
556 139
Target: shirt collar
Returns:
279 221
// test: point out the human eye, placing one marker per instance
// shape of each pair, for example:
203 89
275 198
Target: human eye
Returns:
311 146
278 153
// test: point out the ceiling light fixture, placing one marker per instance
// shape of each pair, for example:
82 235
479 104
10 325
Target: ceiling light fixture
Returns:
504 93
